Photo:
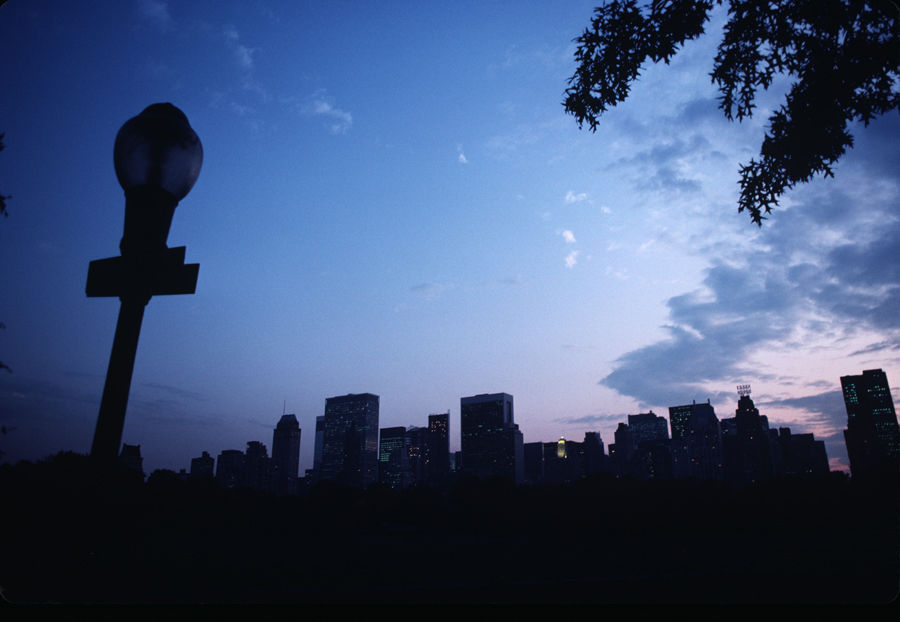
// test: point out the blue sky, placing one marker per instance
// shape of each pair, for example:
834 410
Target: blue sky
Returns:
393 201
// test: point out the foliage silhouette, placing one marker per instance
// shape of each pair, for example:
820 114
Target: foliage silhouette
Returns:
5 214
2 196
843 55
74 534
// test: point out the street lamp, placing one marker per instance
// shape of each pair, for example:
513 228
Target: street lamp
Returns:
157 159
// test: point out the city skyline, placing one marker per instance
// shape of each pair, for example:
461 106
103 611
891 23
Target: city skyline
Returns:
393 200
694 438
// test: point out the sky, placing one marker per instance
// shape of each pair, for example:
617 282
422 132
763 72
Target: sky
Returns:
393 201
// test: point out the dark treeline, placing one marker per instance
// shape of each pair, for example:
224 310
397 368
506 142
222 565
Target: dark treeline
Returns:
72 534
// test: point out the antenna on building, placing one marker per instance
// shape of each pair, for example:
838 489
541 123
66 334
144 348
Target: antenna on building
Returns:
743 390
283 407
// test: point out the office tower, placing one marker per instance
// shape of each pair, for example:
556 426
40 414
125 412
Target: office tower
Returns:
648 427
320 444
594 457
437 448
563 461
456 461
257 467
696 441
642 449
680 421
491 443
620 452
350 443
286 454
416 448
202 467
130 457
393 458
800 455
747 450
534 462
230 468
872 436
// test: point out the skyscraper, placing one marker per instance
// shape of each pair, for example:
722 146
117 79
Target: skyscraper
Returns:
437 449
393 458
130 457
594 458
286 454
257 467
872 436
642 448
202 467
350 443
491 443
416 451
696 441
319 446
801 455
230 468
746 447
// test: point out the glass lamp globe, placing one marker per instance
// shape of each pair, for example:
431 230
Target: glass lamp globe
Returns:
158 149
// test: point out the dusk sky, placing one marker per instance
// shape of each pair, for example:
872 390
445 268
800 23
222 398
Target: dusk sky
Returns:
393 201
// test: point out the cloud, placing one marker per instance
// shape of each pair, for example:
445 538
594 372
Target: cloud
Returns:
572 259
571 197
461 158
176 391
319 104
880 346
711 335
592 419
430 290
156 12
829 406
568 236
822 270
666 166
243 55
512 280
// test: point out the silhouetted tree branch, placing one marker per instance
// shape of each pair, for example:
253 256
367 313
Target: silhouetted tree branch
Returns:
3 211
2 197
843 55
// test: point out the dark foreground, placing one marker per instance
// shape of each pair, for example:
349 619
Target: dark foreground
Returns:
72 536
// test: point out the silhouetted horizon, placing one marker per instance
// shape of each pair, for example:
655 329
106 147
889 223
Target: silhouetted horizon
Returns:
168 540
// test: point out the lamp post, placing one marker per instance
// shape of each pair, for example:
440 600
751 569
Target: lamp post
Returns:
157 159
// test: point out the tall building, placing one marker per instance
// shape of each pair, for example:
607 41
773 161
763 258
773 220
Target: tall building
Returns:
319 445
642 449
350 442
534 462
416 450
130 457
648 427
872 436
437 448
696 441
393 458
286 454
491 443
801 455
257 467
563 461
594 458
202 467
747 448
230 468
